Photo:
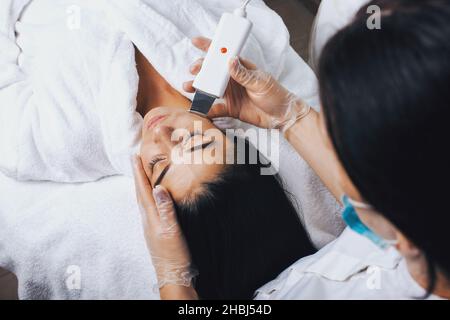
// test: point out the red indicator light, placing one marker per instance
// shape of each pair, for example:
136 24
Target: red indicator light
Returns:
224 50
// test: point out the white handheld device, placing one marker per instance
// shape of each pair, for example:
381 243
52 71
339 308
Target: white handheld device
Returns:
212 81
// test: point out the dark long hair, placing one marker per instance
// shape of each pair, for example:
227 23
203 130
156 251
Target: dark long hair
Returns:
242 231
386 100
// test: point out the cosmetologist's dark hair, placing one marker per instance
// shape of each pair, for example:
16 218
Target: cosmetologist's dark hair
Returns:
242 231
386 100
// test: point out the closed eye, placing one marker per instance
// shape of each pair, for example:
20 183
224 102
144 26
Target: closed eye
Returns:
153 163
155 160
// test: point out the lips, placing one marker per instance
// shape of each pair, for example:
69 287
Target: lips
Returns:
153 121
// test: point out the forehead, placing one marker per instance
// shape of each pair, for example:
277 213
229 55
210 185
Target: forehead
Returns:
184 181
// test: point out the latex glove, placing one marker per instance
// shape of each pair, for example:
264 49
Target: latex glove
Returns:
253 96
165 240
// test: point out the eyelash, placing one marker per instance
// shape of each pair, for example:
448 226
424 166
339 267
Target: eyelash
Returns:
155 160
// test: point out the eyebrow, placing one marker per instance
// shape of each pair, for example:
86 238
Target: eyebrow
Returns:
161 176
201 146
164 172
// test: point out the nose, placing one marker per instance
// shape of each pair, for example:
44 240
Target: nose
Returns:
163 133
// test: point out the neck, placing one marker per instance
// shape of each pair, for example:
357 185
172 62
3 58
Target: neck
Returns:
418 268
154 91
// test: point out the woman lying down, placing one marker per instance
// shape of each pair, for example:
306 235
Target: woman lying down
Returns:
234 217
75 117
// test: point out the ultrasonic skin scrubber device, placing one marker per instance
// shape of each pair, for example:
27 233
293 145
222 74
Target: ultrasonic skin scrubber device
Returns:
212 81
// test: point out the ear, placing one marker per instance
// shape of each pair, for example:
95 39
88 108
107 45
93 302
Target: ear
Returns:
406 247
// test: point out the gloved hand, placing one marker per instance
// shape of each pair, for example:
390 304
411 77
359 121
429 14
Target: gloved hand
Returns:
165 240
253 96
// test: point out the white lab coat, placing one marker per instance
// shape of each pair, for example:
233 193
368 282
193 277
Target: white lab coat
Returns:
350 267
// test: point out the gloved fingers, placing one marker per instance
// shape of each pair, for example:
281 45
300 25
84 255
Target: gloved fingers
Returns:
250 78
202 43
144 192
218 111
166 209
196 66
194 69
248 64
173 272
224 123
188 86
267 85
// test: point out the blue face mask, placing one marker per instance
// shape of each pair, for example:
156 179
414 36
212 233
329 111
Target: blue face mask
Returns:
352 220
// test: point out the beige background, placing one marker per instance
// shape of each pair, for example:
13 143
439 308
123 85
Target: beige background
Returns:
299 17
8 286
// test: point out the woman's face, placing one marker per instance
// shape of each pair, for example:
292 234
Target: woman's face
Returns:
181 151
